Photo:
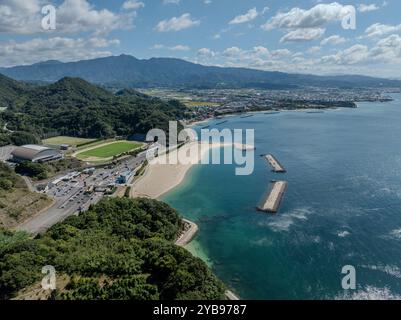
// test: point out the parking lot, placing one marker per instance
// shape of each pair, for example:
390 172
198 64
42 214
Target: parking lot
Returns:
72 196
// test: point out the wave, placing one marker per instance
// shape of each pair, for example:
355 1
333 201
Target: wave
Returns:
390 270
283 223
396 233
369 293
343 234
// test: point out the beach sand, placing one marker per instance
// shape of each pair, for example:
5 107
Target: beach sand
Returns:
158 179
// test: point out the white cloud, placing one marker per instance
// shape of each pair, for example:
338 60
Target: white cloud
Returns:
315 17
249 16
133 5
387 51
206 53
333 40
367 7
171 48
171 1
306 34
180 48
21 17
378 30
355 54
177 23
24 17
57 48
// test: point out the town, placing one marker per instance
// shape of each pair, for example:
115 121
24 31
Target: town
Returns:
206 103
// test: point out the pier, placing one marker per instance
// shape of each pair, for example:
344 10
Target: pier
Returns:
277 167
274 198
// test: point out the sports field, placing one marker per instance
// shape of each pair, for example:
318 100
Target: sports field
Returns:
67 140
109 150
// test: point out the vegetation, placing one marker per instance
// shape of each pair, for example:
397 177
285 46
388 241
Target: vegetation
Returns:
41 171
72 141
76 108
16 202
119 249
18 138
32 169
110 150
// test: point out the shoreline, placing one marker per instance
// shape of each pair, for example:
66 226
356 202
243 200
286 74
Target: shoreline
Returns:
188 234
159 179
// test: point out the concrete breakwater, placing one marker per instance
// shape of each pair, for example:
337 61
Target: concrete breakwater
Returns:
277 167
272 202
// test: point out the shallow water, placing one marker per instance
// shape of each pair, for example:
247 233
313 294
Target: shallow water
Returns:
342 206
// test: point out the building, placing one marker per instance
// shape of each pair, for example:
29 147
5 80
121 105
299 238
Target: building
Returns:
124 177
35 153
65 147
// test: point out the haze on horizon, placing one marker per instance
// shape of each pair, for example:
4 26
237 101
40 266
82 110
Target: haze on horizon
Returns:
290 36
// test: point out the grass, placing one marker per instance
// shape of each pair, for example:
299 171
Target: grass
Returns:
110 150
67 140
19 204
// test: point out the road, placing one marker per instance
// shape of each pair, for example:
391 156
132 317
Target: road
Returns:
70 197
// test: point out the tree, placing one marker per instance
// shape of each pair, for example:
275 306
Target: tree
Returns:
31 169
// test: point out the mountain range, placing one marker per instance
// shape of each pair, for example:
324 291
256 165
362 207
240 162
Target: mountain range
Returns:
126 71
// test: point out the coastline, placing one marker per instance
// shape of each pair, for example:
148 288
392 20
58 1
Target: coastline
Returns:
159 179
188 234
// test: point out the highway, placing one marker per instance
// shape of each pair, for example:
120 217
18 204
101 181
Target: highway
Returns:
70 197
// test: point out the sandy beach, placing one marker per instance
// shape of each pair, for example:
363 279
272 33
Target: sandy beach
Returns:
159 179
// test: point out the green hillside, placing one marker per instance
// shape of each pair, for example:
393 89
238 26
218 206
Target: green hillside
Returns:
74 107
120 249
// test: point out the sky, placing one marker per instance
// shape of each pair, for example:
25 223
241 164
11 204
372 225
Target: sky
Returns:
304 36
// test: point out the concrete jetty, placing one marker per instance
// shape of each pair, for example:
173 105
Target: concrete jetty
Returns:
273 200
277 167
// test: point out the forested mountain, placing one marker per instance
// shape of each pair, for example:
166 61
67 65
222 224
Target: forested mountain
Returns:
10 91
75 107
127 71
120 249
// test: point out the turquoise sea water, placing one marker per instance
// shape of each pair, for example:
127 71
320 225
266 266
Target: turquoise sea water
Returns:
342 206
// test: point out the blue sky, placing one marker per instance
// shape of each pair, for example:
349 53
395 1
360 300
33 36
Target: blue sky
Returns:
294 36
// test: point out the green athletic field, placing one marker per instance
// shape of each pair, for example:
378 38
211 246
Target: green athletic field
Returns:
110 150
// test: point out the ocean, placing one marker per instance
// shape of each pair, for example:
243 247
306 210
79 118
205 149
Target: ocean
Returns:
342 206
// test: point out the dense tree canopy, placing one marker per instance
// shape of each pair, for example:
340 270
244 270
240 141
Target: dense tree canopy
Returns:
74 107
119 249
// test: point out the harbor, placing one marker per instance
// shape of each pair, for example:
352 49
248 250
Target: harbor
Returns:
277 167
273 200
